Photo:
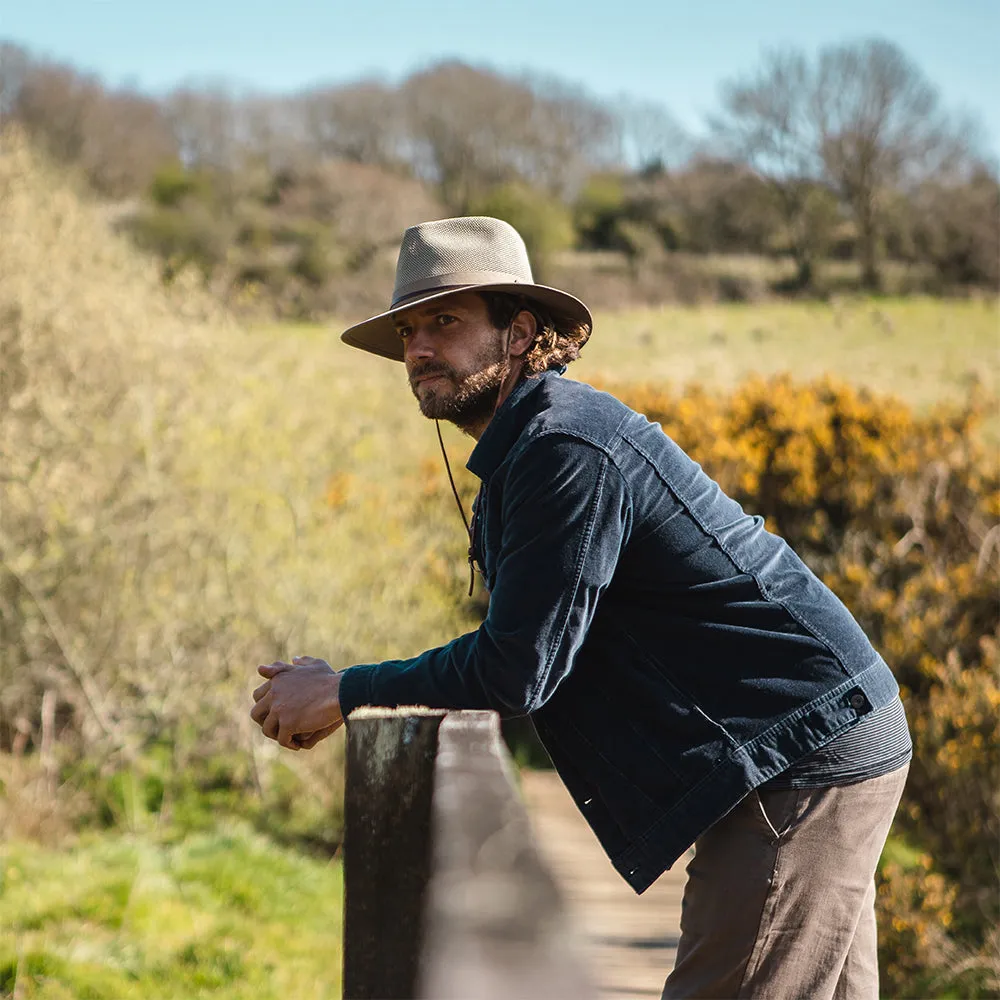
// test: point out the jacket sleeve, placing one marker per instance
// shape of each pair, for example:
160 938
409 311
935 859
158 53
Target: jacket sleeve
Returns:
566 516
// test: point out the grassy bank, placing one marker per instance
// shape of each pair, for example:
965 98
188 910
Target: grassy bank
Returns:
225 914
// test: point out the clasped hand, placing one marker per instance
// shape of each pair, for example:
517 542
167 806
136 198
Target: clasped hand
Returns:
298 704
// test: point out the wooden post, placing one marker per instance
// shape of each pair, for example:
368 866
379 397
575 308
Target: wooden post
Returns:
387 848
496 924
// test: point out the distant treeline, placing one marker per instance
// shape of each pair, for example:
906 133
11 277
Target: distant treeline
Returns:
847 155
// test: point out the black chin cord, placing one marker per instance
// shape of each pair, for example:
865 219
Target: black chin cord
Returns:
461 509
469 528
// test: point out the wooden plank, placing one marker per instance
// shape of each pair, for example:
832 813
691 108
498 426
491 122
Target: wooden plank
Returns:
496 924
631 940
387 848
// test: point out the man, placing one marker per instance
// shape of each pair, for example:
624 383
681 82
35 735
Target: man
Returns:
691 679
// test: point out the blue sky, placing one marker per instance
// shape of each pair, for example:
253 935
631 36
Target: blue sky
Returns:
672 52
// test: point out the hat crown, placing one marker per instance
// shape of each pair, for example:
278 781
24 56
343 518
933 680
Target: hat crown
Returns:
466 251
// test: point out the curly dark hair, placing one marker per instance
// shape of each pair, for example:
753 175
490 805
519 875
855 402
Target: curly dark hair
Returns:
558 340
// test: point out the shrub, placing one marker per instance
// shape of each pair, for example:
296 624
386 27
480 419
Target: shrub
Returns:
315 265
914 910
637 240
181 238
598 207
542 220
173 183
160 463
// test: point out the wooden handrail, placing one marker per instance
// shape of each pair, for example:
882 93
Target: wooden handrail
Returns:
446 893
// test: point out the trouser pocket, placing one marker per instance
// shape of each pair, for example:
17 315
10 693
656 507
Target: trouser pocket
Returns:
777 809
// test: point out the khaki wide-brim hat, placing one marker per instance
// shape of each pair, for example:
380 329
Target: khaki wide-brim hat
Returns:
475 253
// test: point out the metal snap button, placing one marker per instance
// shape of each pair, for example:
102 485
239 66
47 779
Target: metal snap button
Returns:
858 701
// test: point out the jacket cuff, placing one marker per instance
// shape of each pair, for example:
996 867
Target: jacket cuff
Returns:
355 688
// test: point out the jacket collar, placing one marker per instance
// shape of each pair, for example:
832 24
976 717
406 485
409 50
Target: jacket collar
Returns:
506 426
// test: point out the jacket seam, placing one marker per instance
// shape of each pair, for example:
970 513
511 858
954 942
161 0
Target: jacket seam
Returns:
557 640
605 444
765 592
607 448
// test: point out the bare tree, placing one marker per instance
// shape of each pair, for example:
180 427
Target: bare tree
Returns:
860 119
117 137
52 103
205 123
126 139
270 131
360 122
880 125
473 129
573 135
955 226
14 62
650 137
768 122
463 123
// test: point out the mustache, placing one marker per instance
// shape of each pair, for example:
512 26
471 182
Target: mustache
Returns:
430 368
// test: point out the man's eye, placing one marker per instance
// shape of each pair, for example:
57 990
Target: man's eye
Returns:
403 331
444 319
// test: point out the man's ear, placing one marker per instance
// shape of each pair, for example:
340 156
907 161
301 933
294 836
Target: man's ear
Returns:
523 328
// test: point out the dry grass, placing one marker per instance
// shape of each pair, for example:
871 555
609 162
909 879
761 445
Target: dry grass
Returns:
923 350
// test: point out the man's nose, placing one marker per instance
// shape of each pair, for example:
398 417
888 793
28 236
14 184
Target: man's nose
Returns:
419 346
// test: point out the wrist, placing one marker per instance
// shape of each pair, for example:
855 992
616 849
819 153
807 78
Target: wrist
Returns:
354 688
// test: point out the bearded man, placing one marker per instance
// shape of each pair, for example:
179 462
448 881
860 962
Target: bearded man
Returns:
691 679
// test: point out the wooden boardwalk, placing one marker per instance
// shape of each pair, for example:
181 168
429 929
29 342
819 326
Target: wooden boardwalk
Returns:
631 940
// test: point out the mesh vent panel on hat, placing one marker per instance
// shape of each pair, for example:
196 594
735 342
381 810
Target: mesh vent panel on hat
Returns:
475 243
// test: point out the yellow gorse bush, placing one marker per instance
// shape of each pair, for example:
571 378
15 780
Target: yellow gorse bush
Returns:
915 907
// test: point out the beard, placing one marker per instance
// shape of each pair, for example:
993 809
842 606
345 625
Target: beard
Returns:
465 398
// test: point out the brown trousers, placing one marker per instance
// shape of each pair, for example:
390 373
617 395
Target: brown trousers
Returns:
780 897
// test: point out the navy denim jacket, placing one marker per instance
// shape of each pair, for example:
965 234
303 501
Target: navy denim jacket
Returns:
672 653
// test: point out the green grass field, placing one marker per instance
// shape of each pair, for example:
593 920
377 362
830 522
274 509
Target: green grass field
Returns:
922 350
225 914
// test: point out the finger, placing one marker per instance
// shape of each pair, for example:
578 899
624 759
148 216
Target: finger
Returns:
302 660
259 692
259 712
286 738
323 733
270 726
270 670
308 740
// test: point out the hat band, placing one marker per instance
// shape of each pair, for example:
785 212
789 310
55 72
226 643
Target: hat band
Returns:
440 282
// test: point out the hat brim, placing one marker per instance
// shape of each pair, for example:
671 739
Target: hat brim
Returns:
378 334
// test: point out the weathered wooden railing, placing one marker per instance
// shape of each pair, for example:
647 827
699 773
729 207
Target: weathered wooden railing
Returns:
446 895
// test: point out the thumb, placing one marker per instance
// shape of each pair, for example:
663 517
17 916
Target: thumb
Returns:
270 670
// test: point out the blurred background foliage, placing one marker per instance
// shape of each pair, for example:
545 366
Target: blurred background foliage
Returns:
186 495
823 173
